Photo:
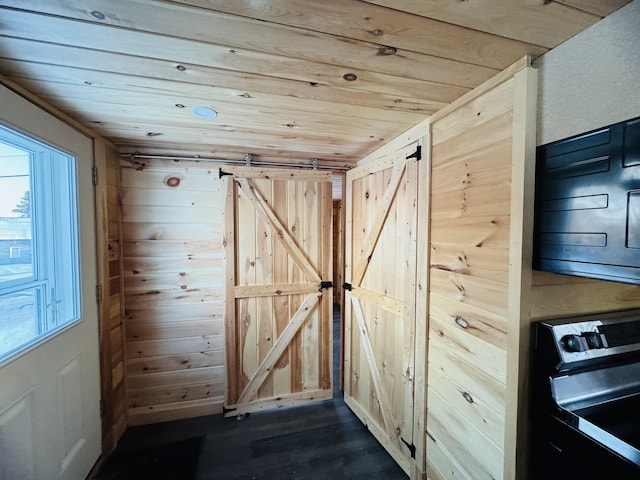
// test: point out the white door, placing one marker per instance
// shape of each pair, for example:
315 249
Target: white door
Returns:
49 396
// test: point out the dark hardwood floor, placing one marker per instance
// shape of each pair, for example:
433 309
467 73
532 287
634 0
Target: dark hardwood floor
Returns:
323 440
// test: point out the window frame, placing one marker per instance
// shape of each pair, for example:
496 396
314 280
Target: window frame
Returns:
55 240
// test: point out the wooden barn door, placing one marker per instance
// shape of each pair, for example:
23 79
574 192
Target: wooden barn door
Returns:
381 223
279 314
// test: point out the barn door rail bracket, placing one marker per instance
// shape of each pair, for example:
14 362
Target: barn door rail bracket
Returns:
411 447
222 173
326 284
347 286
417 154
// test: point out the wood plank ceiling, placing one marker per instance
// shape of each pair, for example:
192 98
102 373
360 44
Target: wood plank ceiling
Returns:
291 80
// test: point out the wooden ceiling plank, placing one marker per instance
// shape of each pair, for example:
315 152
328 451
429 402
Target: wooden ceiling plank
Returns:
372 23
596 7
131 44
35 55
248 34
129 107
53 78
268 142
540 23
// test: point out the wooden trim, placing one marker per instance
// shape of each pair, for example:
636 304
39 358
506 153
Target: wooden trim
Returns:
274 290
281 233
277 402
326 302
102 270
423 237
231 391
376 228
520 273
383 399
278 348
346 294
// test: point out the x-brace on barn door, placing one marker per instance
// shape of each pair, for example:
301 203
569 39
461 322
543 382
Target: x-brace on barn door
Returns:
279 304
380 299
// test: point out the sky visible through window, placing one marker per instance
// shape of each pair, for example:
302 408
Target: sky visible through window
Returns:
14 178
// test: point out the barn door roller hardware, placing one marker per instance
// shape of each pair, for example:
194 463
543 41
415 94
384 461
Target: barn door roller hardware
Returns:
417 154
135 157
222 173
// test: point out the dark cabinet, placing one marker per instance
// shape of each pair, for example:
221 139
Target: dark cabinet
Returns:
588 204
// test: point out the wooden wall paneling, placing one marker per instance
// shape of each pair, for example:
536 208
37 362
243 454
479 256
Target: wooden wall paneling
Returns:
174 270
472 243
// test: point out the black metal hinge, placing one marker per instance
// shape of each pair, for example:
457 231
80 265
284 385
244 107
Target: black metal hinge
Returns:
347 286
412 447
223 174
326 284
417 154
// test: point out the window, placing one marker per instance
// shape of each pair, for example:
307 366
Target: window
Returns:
39 261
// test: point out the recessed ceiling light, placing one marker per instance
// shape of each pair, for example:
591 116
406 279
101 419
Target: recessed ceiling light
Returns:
204 112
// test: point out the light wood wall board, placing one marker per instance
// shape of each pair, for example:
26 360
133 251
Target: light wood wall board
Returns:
174 288
462 440
175 395
278 324
379 311
175 346
468 307
483 262
468 290
442 465
472 349
490 232
474 381
488 326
